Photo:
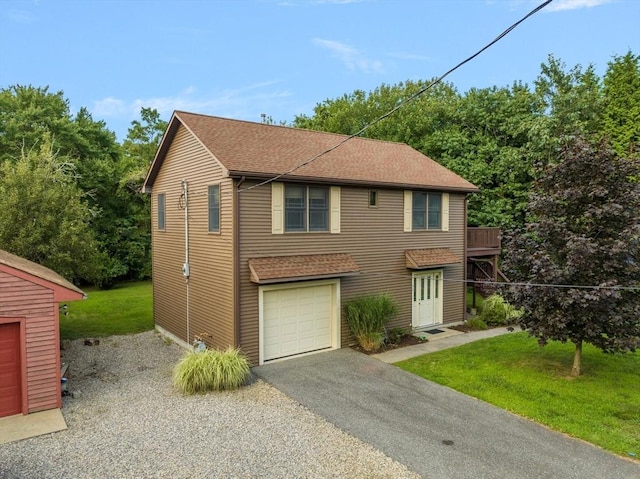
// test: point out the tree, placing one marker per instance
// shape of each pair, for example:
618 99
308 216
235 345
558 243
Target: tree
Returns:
622 103
585 232
30 116
44 216
139 149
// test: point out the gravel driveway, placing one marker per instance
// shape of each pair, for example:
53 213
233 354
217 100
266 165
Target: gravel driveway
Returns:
129 422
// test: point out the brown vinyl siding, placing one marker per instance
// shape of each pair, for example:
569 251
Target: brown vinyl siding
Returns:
23 299
373 236
210 254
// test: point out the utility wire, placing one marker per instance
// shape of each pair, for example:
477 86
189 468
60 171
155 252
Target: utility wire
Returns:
403 102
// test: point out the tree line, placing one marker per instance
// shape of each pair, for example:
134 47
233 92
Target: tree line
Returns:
70 192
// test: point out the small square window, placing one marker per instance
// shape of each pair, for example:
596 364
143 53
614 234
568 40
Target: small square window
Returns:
373 198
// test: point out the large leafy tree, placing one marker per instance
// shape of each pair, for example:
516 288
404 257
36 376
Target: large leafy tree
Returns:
29 115
585 236
622 103
45 217
139 148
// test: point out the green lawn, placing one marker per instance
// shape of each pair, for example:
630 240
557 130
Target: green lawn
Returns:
125 309
602 406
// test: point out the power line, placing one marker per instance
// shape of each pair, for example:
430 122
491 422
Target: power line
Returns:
403 102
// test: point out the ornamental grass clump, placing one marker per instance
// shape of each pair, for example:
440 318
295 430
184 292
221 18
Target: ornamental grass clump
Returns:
211 370
497 312
367 317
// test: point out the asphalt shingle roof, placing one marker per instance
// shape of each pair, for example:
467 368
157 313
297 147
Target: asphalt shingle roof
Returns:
274 268
37 270
427 258
261 151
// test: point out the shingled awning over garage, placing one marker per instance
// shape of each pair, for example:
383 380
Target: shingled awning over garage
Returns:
280 269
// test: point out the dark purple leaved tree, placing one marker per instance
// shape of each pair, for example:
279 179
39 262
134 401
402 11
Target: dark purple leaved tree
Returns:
584 230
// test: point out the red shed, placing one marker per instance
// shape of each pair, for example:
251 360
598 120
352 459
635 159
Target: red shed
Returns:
30 335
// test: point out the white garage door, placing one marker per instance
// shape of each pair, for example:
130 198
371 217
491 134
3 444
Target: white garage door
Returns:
297 320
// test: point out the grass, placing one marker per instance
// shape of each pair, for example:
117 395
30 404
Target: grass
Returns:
125 309
479 299
602 406
211 370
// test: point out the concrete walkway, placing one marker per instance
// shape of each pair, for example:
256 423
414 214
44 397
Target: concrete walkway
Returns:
433 430
449 338
18 427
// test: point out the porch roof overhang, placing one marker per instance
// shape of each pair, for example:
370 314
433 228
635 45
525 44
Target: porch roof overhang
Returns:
430 258
282 269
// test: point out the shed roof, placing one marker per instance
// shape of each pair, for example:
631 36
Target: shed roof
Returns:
257 150
38 271
276 269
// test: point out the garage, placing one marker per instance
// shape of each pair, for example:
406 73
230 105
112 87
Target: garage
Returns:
298 318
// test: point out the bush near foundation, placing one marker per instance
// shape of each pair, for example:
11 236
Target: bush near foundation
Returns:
367 317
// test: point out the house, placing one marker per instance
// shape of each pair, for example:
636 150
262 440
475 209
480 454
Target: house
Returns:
259 238
30 335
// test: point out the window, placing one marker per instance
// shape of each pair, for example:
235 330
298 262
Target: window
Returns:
426 211
214 209
161 212
306 208
373 198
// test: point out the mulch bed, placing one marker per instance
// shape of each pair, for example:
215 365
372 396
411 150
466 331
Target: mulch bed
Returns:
405 340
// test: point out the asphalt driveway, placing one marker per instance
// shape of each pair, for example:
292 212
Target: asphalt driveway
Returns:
434 430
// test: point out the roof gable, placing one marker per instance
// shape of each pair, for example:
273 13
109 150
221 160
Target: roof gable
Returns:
262 151
38 274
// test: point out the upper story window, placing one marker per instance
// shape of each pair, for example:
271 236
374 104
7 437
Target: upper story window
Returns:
214 208
161 211
427 211
302 208
306 208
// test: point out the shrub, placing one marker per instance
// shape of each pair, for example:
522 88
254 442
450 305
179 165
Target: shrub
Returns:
497 312
476 323
367 317
211 370
394 335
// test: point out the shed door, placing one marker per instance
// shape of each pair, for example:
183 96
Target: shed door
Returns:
10 380
298 319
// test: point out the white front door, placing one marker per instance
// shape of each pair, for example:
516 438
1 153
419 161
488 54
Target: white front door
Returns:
427 298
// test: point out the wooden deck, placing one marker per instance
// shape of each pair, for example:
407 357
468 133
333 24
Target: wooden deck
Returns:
483 242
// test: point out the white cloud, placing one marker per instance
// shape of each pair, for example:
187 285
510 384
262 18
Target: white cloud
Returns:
350 57
409 56
109 107
240 102
559 5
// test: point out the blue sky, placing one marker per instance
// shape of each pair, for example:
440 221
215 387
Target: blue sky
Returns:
238 59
